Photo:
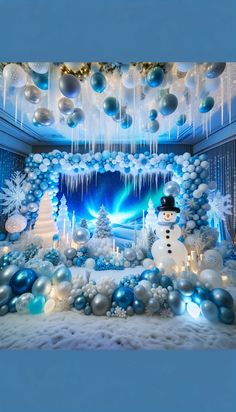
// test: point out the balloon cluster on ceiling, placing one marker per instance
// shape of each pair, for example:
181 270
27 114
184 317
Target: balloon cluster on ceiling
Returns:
105 98
190 172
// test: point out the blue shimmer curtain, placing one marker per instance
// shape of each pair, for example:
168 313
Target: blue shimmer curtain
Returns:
223 170
9 163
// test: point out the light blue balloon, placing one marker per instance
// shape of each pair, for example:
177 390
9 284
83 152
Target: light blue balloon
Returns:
61 274
209 310
75 118
222 297
153 114
12 304
176 302
153 126
80 302
226 315
138 306
36 305
181 120
126 122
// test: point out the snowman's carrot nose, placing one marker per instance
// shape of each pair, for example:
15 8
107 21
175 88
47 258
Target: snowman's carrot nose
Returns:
167 215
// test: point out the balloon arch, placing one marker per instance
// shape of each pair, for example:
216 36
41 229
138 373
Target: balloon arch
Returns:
190 172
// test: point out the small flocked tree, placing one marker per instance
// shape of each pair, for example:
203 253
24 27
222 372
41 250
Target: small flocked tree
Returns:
151 217
103 225
63 221
45 225
83 223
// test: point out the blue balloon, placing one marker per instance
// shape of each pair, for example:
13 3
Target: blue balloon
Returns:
87 310
75 118
40 80
209 310
206 104
181 120
36 305
155 77
111 106
226 315
123 296
200 294
22 281
121 114
176 302
153 126
69 85
80 302
98 82
214 70
165 281
126 122
138 306
152 275
153 114
3 236
168 104
222 297
14 236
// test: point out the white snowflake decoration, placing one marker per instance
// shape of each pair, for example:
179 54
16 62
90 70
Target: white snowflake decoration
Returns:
220 205
13 194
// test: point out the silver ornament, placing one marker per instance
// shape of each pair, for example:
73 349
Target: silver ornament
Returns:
81 235
42 286
65 105
130 254
44 117
23 302
3 310
32 94
100 304
7 273
70 253
61 274
5 294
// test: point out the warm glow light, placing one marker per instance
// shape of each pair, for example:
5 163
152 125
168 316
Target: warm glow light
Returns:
49 306
193 309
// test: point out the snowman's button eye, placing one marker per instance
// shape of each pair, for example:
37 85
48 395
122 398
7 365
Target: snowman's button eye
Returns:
171 214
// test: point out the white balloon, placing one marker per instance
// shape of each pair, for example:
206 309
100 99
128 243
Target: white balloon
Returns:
212 259
203 187
184 67
15 223
37 158
63 290
90 263
148 263
191 224
14 75
40 67
205 164
197 194
211 278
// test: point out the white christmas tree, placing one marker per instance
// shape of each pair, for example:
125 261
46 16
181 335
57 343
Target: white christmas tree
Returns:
151 217
45 226
63 221
103 225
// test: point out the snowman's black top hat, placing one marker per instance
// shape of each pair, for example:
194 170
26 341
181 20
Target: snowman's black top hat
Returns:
168 204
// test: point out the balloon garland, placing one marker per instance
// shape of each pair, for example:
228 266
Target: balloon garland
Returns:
190 172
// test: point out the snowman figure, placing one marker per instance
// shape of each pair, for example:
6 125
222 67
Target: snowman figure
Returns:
168 252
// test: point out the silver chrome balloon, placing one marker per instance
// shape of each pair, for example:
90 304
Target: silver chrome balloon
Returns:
32 94
65 105
44 116
100 304
81 235
7 273
5 294
42 286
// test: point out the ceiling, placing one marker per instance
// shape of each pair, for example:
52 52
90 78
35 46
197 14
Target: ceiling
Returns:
128 84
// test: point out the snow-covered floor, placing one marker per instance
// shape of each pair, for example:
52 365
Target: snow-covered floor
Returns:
73 330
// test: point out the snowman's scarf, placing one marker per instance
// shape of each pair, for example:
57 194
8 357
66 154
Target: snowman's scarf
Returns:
169 225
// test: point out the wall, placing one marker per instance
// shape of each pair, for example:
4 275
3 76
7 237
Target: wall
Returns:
9 163
223 170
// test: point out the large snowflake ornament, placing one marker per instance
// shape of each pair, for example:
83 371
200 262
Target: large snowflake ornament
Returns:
221 205
13 194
